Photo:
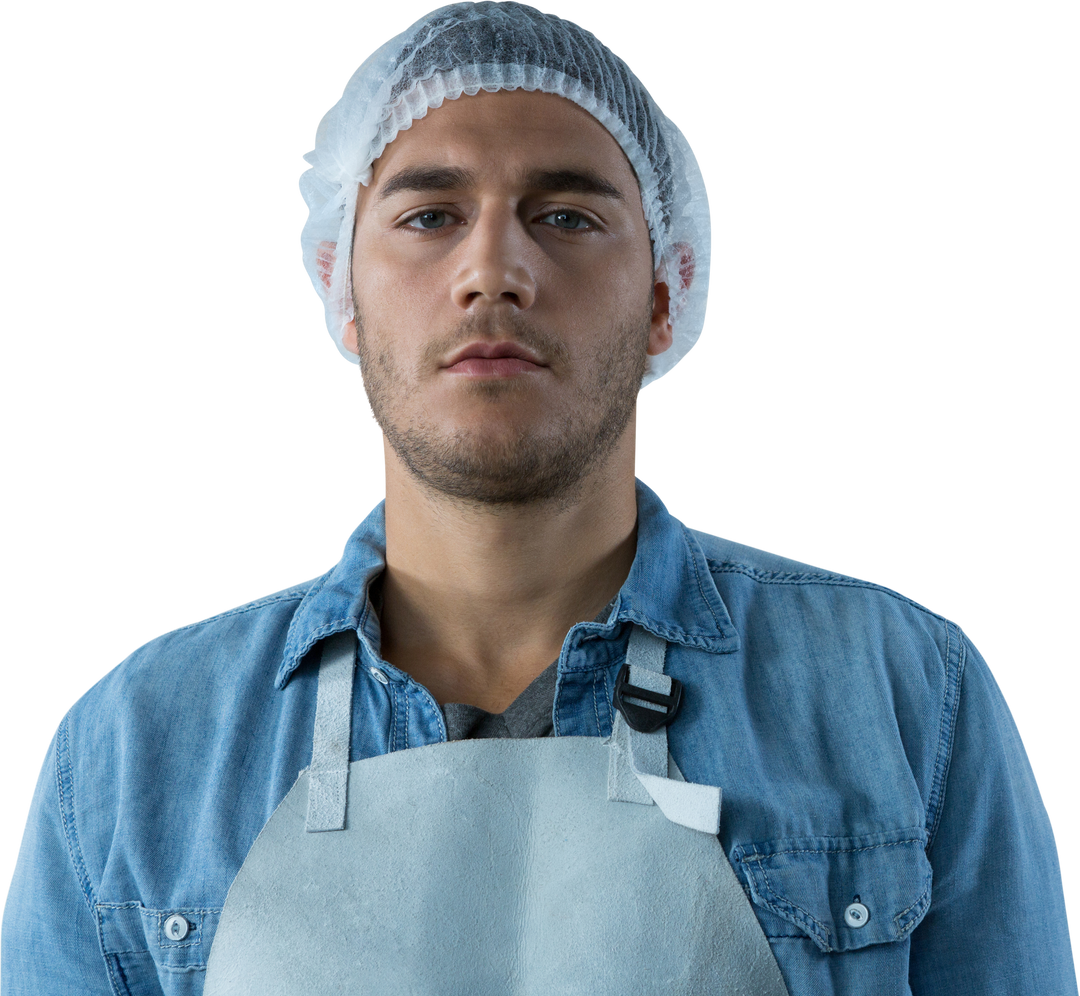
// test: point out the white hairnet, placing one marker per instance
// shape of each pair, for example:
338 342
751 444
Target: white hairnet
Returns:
467 47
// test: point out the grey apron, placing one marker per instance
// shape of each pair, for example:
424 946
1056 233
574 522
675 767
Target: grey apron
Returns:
547 867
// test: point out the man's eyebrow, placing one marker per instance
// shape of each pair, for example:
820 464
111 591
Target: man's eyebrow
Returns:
425 177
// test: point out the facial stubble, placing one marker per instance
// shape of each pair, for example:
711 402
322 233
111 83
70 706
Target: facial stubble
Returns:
546 460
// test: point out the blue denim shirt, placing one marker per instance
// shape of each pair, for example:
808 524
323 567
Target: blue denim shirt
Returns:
861 744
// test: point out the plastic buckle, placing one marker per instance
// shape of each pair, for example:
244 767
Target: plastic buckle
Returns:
639 717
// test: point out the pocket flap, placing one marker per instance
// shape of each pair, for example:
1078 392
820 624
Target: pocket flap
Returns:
131 928
843 892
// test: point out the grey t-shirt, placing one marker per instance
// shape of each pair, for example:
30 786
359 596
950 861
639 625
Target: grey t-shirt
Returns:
529 715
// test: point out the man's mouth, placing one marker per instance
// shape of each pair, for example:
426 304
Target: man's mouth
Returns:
493 351
492 366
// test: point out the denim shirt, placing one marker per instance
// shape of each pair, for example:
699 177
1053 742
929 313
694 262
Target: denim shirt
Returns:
862 746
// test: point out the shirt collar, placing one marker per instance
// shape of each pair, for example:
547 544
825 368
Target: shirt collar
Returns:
669 590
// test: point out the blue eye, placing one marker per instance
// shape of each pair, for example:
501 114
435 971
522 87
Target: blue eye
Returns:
570 220
426 214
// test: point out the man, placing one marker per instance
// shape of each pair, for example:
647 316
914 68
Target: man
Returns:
510 237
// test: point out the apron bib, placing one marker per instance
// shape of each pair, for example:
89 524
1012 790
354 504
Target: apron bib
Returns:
547 867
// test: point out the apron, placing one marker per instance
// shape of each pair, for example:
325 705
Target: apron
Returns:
545 867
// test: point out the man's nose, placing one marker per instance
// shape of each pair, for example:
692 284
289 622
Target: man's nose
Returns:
495 262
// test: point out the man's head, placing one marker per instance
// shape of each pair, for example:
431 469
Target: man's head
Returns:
504 296
469 47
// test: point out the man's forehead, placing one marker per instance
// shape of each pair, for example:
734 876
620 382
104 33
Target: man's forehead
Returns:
422 177
535 140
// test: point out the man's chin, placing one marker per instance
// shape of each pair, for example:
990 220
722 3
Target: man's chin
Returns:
493 469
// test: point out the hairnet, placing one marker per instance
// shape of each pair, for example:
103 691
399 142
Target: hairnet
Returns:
468 47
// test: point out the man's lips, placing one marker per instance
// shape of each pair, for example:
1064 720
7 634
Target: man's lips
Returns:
493 366
494 351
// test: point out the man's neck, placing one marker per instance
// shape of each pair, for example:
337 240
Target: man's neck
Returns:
476 601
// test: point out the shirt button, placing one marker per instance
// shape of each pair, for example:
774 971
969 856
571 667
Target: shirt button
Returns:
176 928
378 676
856 915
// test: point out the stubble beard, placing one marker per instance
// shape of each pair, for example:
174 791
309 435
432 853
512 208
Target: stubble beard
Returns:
545 463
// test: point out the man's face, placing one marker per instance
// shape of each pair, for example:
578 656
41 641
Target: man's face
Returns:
503 285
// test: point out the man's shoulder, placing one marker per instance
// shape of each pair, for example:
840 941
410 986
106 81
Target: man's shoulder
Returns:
215 657
252 627
804 582
727 553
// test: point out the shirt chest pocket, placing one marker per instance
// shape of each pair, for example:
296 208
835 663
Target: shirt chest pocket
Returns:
843 893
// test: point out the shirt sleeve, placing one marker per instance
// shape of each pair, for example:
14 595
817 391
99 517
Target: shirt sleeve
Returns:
996 923
50 940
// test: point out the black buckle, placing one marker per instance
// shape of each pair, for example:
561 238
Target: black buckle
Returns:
639 717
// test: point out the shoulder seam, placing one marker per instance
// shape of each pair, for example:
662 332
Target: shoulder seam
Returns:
946 739
287 593
65 792
839 580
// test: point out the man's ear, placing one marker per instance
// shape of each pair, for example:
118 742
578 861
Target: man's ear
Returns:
325 256
685 252
661 334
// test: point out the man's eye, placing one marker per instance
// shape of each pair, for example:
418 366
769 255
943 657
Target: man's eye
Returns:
572 215
427 220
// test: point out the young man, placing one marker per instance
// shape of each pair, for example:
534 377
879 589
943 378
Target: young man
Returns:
303 795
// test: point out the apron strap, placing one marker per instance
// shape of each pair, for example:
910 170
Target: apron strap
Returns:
640 769
328 776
